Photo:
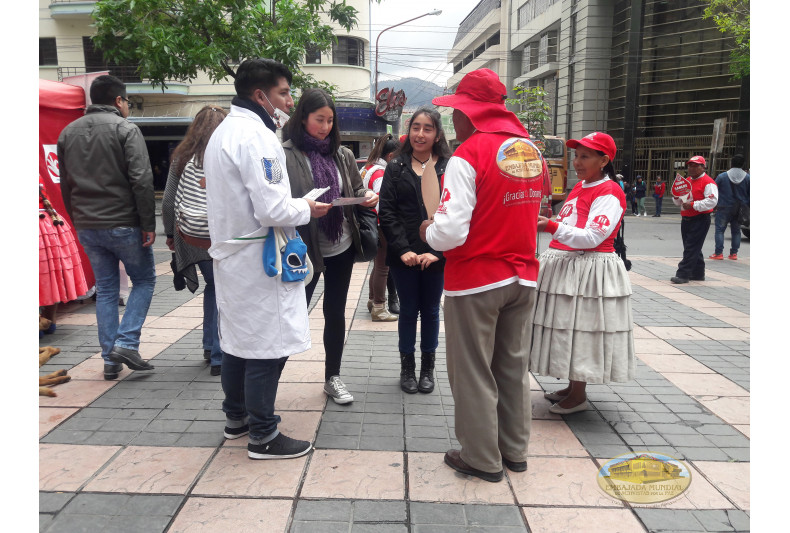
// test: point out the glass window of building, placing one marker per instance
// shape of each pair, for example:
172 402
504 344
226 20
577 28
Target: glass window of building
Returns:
312 55
349 51
47 51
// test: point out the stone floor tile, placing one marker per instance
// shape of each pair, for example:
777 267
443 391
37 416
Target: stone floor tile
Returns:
699 495
430 480
300 397
549 437
66 467
560 481
705 384
52 502
669 521
734 410
221 515
371 475
174 322
569 520
743 428
732 479
232 473
724 334
674 363
676 333
148 469
303 372
656 346
186 311
51 417
76 393
162 335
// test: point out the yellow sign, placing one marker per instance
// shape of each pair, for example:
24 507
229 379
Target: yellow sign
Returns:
644 477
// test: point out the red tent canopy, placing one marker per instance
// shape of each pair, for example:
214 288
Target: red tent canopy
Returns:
58 105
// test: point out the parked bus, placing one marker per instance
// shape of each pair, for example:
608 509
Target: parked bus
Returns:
556 155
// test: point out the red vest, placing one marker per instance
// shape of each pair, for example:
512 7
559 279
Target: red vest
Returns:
502 235
698 193
577 210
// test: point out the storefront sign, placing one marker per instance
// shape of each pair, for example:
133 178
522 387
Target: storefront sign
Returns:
389 103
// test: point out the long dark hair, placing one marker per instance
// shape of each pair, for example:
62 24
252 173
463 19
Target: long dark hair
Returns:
608 170
385 145
311 101
440 147
197 136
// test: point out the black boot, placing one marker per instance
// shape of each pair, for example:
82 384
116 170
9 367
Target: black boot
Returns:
408 381
426 372
392 296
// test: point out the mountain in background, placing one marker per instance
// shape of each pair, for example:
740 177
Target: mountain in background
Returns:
418 92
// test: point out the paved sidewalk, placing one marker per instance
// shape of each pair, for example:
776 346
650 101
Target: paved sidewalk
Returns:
146 452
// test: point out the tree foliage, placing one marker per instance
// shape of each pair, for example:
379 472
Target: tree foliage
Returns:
175 40
732 18
535 112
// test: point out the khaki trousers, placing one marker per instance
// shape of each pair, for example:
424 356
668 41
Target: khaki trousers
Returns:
487 336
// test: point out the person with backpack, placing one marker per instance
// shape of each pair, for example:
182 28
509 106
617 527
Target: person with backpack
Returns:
185 218
733 194
640 194
583 327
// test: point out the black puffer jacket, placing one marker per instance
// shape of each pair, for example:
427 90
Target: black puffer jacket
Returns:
402 211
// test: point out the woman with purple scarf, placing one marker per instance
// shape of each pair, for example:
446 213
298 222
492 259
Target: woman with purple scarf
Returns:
315 159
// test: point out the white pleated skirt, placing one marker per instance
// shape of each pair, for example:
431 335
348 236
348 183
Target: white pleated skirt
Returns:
583 328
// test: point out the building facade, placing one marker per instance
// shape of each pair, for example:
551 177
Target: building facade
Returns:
66 53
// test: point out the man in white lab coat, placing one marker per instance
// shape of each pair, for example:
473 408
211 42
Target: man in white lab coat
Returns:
262 320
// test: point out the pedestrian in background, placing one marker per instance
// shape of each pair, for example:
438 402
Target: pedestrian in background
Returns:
486 225
659 189
378 284
187 164
583 326
733 187
619 178
108 191
316 159
641 193
629 196
695 221
417 267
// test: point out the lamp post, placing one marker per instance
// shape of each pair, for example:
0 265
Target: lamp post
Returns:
434 12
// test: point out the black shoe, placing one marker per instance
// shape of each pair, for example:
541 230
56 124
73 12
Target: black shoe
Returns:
515 466
679 280
130 358
207 355
453 459
216 370
280 447
394 307
408 380
111 370
426 372
654 216
702 278
235 433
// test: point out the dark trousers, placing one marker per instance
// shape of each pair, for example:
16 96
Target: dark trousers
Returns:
250 387
659 201
693 230
420 293
337 277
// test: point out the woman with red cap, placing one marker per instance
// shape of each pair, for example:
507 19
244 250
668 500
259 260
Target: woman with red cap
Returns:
583 327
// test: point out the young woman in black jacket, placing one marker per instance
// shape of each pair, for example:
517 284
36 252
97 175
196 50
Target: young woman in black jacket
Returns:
418 270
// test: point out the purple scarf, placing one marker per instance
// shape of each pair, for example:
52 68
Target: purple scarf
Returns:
325 175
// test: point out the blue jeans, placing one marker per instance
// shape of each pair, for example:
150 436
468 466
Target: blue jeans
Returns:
659 201
210 330
724 216
104 248
250 387
420 293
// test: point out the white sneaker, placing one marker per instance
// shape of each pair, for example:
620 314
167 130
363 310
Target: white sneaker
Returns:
336 389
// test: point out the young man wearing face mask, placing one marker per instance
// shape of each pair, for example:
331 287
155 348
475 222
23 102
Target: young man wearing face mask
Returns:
262 320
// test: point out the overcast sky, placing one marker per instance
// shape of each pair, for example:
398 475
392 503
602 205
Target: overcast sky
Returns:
419 48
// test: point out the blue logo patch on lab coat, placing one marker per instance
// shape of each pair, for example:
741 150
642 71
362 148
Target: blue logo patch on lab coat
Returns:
271 170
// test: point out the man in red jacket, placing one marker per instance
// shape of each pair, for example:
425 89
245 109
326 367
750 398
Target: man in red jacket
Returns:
486 224
695 223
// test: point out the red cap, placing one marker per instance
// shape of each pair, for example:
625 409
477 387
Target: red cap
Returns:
481 97
698 159
402 138
596 141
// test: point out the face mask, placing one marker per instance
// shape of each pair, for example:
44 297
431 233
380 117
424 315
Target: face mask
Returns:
280 117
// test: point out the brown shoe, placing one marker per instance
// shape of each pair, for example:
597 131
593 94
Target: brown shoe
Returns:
453 459
379 313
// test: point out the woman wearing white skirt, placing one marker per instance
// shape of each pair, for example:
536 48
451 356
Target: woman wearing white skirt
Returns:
583 327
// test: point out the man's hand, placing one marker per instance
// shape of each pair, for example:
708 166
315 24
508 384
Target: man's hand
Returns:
410 259
687 206
424 229
148 238
426 259
171 243
372 199
542 223
318 209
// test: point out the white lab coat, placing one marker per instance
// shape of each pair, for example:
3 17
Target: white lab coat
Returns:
247 191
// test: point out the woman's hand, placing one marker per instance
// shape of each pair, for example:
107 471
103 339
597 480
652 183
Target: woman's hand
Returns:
372 199
542 223
410 259
424 260
171 243
318 209
424 230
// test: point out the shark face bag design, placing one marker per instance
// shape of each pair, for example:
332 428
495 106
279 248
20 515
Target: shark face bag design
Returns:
286 257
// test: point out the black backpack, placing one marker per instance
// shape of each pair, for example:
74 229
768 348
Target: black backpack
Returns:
619 245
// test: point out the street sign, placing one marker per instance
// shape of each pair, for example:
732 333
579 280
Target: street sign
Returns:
719 130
